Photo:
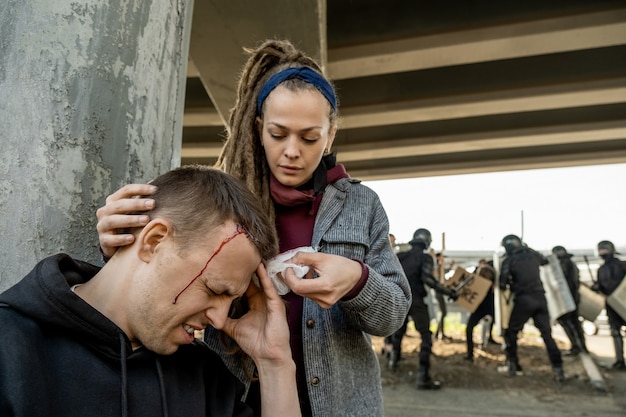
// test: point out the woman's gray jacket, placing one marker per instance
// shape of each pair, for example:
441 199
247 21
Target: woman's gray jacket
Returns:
342 368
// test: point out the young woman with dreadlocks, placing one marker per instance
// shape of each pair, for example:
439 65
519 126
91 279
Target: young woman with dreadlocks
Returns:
280 133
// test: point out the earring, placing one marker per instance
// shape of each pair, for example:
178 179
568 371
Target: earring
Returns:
325 151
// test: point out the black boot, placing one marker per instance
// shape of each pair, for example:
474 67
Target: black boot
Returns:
425 382
558 373
515 368
570 332
394 358
512 368
571 352
491 341
580 337
470 351
387 347
618 342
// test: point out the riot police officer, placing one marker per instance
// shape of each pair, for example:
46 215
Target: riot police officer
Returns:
418 267
610 276
520 272
569 321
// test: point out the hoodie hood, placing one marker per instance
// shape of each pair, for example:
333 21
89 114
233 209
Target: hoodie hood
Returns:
76 362
45 295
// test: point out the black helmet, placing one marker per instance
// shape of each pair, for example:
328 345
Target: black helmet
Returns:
510 243
421 237
561 252
606 247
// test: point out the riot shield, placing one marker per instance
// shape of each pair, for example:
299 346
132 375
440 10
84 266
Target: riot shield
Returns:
503 299
591 303
558 294
617 299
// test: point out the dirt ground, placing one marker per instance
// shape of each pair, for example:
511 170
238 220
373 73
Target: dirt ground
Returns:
448 365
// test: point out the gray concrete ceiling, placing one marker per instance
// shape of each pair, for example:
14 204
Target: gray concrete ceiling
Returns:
432 88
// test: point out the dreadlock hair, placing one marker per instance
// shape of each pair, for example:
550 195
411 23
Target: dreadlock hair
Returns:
242 154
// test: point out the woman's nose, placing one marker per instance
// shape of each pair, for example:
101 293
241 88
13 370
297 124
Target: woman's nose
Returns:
292 147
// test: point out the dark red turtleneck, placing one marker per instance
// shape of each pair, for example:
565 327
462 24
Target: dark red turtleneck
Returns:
295 219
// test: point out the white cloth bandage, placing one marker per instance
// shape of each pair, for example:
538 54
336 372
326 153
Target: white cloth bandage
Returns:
278 265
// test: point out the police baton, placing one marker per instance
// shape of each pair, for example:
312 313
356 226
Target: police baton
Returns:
464 283
589 269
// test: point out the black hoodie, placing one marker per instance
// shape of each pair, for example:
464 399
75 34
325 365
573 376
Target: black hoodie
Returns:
61 357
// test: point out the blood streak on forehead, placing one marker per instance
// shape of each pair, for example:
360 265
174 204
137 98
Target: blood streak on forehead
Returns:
238 231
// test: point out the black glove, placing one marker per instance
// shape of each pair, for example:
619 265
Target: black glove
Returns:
450 292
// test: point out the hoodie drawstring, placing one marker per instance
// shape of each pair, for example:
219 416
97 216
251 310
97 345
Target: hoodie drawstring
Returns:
123 376
162 386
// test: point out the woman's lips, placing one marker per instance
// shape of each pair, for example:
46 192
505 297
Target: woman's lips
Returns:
290 169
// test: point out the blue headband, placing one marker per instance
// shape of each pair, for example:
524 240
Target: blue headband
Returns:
305 74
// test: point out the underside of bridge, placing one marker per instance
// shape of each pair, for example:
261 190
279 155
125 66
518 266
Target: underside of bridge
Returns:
431 88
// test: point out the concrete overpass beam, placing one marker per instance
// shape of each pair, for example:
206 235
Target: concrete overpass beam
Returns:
540 37
221 30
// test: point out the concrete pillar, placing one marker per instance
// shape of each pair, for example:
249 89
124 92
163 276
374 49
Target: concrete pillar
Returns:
91 98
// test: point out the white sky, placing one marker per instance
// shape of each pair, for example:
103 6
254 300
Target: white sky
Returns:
573 207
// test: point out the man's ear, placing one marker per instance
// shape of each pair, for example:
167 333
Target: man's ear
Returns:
151 236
